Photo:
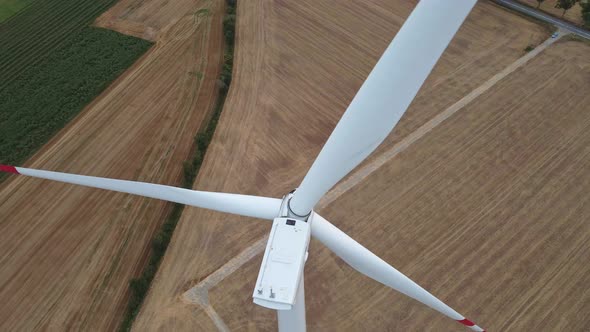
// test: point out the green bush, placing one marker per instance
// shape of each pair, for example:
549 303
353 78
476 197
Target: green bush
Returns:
160 242
229 29
586 13
201 141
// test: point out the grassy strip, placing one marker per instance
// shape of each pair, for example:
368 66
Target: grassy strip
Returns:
139 286
49 94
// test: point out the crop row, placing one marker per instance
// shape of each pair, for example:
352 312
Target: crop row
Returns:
43 27
47 95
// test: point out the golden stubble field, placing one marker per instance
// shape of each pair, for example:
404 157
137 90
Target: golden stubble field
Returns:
487 211
68 253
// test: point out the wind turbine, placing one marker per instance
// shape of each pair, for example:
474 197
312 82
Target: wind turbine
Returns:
375 110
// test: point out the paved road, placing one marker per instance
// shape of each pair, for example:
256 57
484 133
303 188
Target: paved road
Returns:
544 17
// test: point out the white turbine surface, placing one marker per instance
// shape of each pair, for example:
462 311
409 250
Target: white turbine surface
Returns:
245 205
294 320
375 110
384 96
369 264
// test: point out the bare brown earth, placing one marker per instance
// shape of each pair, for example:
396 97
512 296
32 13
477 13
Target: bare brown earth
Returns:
573 15
67 253
488 211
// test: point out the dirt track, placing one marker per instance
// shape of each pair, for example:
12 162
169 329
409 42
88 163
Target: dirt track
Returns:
67 253
439 211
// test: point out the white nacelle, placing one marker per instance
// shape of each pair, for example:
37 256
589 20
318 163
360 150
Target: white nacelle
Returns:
282 265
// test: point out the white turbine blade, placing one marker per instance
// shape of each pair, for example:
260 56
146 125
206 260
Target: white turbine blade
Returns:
245 205
369 264
383 97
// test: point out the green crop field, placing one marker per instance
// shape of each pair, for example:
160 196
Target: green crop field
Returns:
11 7
42 99
43 26
52 64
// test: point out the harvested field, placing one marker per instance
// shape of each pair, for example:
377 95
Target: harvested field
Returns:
297 66
136 17
489 211
573 15
68 252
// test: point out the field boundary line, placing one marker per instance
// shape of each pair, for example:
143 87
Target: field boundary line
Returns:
198 293
217 320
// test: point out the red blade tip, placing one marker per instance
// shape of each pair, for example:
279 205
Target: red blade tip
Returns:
466 322
8 169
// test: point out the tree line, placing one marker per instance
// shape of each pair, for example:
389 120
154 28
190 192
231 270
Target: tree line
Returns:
566 5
